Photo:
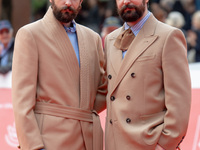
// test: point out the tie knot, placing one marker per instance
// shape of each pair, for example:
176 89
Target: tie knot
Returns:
129 31
124 40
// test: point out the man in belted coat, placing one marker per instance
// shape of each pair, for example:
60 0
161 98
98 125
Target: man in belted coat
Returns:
58 85
149 87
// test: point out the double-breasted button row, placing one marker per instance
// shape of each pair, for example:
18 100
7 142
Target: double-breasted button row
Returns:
112 98
133 75
128 120
109 77
128 97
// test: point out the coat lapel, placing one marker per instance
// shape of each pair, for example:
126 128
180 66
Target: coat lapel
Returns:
116 54
56 30
139 45
84 71
80 74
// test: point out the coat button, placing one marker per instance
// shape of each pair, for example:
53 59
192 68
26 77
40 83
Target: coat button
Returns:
133 75
128 120
109 77
112 98
128 97
110 121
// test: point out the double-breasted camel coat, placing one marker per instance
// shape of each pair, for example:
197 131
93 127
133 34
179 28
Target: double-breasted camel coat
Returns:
55 100
149 91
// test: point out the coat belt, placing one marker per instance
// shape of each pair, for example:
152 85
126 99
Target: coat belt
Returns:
77 114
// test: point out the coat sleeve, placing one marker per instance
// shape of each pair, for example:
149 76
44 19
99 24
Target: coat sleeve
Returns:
177 85
100 102
24 85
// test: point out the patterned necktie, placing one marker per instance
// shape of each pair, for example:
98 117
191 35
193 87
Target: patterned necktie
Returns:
124 40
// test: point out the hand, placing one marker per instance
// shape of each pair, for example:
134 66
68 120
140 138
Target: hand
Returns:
158 147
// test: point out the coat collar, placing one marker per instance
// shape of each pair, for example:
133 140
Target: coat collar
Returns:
57 31
84 64
139 45
81 74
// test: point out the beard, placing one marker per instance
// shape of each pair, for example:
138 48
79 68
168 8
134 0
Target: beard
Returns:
133 14
65 14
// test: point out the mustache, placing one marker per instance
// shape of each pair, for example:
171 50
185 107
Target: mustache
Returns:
68 8
129 6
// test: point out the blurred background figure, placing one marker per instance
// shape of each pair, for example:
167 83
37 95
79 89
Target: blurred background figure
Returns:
197 3
7 45
176 19
180 14
109 25
94 13
89 15
159 12
111 9
193 37
186 8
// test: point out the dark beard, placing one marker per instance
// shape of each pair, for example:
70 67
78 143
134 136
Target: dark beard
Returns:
65 17
132 15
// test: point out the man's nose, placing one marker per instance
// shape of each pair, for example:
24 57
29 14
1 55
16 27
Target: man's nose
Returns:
126 2
68 2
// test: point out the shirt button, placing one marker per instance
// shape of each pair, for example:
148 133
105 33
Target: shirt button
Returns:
112 98
109 77
110 121
133 75
128 120
128 97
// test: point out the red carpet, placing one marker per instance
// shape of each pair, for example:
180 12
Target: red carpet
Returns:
8 138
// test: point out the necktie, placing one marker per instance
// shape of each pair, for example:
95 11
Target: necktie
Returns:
124 40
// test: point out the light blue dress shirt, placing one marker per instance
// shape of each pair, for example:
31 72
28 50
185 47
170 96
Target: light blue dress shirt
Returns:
136 28
71 32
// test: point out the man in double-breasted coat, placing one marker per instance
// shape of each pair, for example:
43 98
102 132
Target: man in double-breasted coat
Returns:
149 91
58 86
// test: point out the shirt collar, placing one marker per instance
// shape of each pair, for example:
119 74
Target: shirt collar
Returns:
71 29
137 27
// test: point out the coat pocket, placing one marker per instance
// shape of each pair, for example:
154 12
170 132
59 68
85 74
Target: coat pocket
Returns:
146 58
153 127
